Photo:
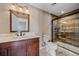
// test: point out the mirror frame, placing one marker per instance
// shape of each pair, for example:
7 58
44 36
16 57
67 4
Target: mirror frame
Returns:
11 22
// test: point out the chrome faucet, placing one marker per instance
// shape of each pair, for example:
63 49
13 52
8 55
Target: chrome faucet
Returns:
20 33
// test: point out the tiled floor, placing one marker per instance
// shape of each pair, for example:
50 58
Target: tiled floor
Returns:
43 52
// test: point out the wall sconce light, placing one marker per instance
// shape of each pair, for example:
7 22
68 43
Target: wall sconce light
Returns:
19 8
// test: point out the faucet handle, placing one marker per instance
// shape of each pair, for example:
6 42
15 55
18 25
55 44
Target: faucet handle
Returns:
23 34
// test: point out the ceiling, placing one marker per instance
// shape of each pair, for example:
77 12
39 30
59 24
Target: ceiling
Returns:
58 8
48 7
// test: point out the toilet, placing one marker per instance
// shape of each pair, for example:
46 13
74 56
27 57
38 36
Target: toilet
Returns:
50 46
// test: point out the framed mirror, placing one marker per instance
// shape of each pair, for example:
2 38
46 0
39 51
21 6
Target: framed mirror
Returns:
19 22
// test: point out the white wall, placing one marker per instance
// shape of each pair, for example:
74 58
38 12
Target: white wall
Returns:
40 23
47 25
4 19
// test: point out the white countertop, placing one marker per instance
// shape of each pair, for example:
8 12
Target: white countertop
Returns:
16 38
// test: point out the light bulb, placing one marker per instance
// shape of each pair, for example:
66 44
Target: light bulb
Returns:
13 7
64 22
27 12
20 9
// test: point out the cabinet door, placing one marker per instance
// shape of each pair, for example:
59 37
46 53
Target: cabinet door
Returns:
5 49
19 48
13 49
33 47
28 47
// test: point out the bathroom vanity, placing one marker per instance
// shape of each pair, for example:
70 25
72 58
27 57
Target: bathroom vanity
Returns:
19 46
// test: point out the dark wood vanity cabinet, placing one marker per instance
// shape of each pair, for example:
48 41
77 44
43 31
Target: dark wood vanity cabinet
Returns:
28 47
